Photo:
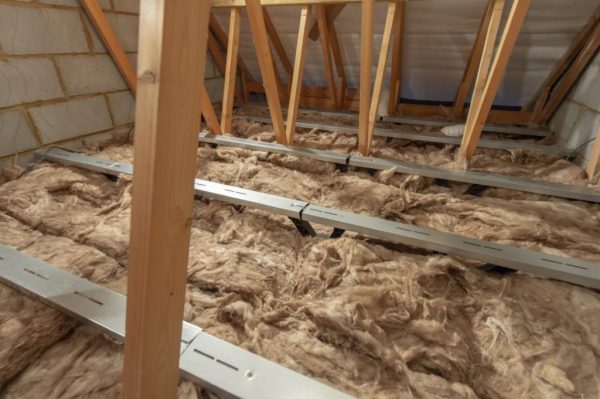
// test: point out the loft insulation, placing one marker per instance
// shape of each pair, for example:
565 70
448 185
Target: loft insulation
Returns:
438 37
369 317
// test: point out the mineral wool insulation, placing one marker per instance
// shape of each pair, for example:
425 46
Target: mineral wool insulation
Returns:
369 317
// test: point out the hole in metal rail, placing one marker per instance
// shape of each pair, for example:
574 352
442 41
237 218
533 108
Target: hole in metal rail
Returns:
578 267
35 273
403 229
89 298
472 243
204 354
231 366
249 374
552 261
495 249
330 213
421 232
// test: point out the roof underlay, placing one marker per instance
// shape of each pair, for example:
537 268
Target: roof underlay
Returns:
438 36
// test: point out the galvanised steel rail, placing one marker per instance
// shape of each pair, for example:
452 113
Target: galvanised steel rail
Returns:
561 268
424 137
416 121
204 359
436 172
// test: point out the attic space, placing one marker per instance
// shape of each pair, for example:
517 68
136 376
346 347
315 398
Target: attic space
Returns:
316 199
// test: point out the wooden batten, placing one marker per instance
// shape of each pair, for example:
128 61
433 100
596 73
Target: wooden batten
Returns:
366 60
396 72
233 44
473 61
267 66
326 51
483 98
383 55
296 86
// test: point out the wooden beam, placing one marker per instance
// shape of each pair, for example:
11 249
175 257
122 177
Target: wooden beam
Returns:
277 44
366 60
108 37
242 3
571 75
332 13
396 72
539 100
473 62
326 51
221 37
483 99
231 68
172 50
215 51
265 62
339 64
593 165
383 55
298 73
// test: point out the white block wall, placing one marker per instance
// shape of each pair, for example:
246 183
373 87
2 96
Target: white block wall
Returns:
577 120
58 85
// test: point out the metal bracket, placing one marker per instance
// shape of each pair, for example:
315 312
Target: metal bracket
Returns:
305 229
337 232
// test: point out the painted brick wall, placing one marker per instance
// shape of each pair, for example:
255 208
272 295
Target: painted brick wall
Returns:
58 85
578 118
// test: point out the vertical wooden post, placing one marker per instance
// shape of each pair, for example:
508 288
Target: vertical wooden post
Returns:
473 61
593 166
383 54
483 98
233 43
366 62
326 50
296 86
265 61
172 49
396 74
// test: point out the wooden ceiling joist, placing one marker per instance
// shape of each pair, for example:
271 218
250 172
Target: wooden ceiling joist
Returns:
167 125
326 51
473 62
256 21
396 72
390 20
366 60
487 83
231 68
296 85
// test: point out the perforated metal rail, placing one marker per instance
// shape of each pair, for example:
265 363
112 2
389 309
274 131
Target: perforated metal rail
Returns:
206 360
424 136
560 268
464 176
412 120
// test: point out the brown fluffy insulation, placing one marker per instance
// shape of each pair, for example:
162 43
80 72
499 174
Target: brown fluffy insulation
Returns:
372 318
